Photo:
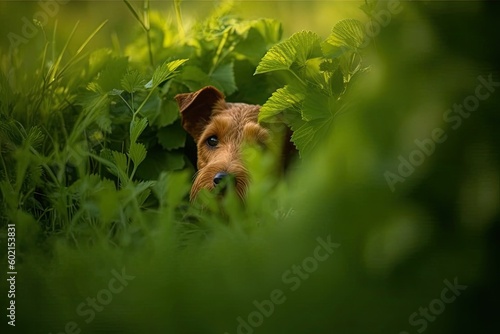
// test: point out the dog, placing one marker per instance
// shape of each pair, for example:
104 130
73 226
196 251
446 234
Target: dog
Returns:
220 129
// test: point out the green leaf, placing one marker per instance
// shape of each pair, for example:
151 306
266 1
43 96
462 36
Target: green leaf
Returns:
223 77
316 106
142 191
171 137
136 128
112 74
142 186
142 197
294 120
261 36
312 72
347 35
120 162
168 113
98 59
329 65
194 78
158 161
369 6
152 108
104 122
296 51
137 153
11 132
165 72
109 205
94 87
337 85
288 97
34 137
132 81
310 134
270 29
115 92
172 188
96 109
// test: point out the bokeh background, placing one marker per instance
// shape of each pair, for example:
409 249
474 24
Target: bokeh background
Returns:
397 248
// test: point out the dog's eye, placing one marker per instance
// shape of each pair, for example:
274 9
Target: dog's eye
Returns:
212 141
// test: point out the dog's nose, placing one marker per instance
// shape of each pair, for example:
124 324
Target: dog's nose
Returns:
218 177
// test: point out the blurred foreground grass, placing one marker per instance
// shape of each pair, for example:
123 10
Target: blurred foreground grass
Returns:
257 268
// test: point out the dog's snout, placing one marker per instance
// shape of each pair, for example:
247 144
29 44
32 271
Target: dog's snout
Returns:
218 177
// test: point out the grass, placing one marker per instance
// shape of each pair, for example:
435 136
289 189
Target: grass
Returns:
94 175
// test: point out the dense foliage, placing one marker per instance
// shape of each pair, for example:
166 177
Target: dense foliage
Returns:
97 131
95 171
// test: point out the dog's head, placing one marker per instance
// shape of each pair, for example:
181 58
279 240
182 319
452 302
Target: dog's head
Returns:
220 129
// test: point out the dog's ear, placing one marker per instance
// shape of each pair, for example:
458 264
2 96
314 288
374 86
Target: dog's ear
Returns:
196 109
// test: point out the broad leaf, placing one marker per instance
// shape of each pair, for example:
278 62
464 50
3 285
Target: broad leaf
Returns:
112 74
132 81
263 34
337 85
270 29
158 161
152 109
347 35
171 137
312 71
329 65
310 134
168 113
316 106
98 59
194 78
286 98
296 51
223 77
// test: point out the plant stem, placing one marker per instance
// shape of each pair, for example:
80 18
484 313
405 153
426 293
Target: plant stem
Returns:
145 23
178 15
147 26
297 77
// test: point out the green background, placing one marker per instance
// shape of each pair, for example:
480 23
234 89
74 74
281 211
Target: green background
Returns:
396 247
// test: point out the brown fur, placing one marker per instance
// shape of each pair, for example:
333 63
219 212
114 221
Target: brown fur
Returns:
205 113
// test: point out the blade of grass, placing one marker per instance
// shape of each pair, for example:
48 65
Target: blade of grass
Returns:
148 29
55 67
134 12
145 23
54 40
178 15
73 59
145 13
40 95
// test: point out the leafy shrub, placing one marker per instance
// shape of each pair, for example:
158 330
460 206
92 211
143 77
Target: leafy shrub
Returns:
320 75
100 130
95 175
97 132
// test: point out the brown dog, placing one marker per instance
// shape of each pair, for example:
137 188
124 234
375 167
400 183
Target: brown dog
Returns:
219 129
